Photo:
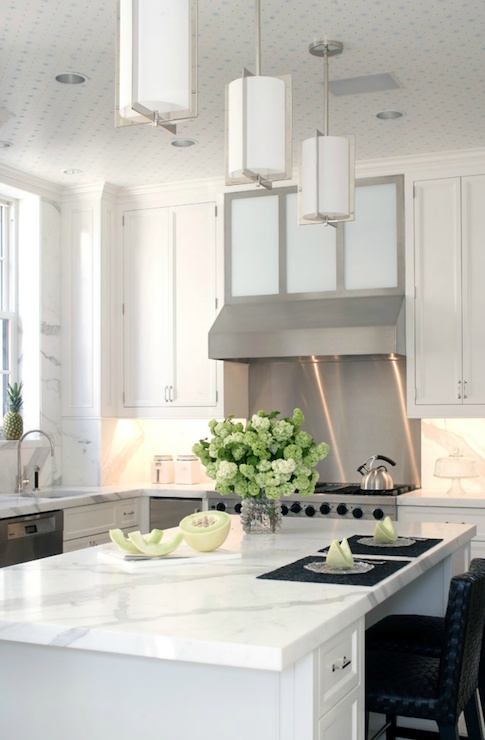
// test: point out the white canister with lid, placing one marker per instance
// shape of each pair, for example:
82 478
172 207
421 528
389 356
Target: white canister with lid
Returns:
187 469
162 469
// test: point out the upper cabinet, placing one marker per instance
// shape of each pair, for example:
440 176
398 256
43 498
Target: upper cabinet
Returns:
169 293
269 255
446 328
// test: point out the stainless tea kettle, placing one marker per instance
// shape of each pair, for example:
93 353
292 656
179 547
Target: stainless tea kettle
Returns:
376 478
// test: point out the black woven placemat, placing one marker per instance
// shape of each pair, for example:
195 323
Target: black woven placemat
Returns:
410 551
296 572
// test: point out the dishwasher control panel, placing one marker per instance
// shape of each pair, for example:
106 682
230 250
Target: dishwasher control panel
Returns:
28 526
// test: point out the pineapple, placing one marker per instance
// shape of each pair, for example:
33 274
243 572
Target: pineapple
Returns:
13 425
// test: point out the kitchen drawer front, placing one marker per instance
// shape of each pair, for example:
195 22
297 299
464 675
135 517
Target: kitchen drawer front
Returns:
340 666
92 540
83 521
454 515
81 543
127 513
345 721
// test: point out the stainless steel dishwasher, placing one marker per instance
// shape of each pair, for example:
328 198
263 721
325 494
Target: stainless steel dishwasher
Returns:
30 537
167 512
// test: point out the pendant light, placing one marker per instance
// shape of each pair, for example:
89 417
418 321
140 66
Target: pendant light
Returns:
327 163
258 124
156 62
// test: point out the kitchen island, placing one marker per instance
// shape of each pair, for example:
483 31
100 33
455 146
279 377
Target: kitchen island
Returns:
93 647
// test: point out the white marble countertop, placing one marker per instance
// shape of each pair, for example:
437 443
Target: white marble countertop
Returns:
66 497
213 613
429 497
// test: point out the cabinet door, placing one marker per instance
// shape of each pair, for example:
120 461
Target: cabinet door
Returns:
146 297
473 241
438 331
193 310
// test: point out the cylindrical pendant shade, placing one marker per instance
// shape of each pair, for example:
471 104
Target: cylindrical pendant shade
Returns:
325 178
257 123
155 57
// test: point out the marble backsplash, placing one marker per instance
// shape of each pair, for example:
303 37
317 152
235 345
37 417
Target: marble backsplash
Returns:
440 438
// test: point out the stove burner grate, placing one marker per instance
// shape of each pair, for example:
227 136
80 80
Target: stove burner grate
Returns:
354 489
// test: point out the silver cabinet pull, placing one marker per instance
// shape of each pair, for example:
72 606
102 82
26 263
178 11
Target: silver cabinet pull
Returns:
167 399
340 664
464 389
459 389
171 394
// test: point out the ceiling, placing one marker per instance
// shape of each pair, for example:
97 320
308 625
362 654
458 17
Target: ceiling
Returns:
435 49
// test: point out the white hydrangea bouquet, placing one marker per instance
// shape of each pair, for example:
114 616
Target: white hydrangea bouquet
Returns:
267 454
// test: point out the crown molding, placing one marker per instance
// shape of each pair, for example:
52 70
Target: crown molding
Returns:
18 184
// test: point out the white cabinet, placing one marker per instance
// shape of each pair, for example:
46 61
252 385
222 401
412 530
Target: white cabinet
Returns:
330 689
296 261
465 514
446 342
169 304
88 526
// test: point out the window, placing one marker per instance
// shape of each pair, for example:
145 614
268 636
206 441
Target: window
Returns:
8 321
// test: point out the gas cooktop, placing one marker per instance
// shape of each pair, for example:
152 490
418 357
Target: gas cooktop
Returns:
354 489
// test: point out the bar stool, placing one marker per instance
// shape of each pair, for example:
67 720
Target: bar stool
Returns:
437 679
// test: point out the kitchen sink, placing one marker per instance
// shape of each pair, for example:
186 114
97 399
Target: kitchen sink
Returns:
58 493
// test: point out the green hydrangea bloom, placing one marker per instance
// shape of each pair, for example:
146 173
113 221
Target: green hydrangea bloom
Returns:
265 453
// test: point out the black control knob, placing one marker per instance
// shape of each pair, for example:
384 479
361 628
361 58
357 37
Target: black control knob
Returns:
284 509
325 509
310 511
357 513
221 507
295 508
378 514
237 508
342 509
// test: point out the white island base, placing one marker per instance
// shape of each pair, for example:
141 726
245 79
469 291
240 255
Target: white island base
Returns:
208 651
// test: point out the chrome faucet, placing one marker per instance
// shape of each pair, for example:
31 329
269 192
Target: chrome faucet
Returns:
20 476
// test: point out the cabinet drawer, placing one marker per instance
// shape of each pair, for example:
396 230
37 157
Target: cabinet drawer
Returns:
454 515
346 720
127 513
83 521
339 666
81 543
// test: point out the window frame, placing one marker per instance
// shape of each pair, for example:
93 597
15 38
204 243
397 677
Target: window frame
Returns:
9 370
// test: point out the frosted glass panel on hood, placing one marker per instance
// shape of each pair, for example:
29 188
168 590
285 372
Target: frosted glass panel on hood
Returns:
371 240
254 246
310 253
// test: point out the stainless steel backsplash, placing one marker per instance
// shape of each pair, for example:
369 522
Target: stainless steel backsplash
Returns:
356 404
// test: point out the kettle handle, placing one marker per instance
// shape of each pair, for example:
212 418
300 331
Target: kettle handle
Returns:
387 459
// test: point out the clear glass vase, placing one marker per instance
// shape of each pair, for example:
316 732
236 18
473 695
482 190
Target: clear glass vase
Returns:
261 515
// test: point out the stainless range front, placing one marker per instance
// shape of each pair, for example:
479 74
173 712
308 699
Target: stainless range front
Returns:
330 500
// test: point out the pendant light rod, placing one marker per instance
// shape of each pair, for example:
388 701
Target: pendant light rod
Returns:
325 49
257 35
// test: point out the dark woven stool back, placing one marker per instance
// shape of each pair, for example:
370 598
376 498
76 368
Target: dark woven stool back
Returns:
462 640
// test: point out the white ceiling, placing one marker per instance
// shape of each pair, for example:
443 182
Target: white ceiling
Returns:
435 49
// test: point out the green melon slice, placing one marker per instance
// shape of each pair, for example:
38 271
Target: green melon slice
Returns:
385 531
155 550
206 530
340 555
118 537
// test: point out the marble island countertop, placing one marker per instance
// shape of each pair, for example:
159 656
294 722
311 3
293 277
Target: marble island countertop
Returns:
215 613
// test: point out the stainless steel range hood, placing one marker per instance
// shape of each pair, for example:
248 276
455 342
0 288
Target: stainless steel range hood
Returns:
348 325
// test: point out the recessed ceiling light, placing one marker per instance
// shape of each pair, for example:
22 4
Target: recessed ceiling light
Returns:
183 143
71 78
389 115
5 144
72 171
